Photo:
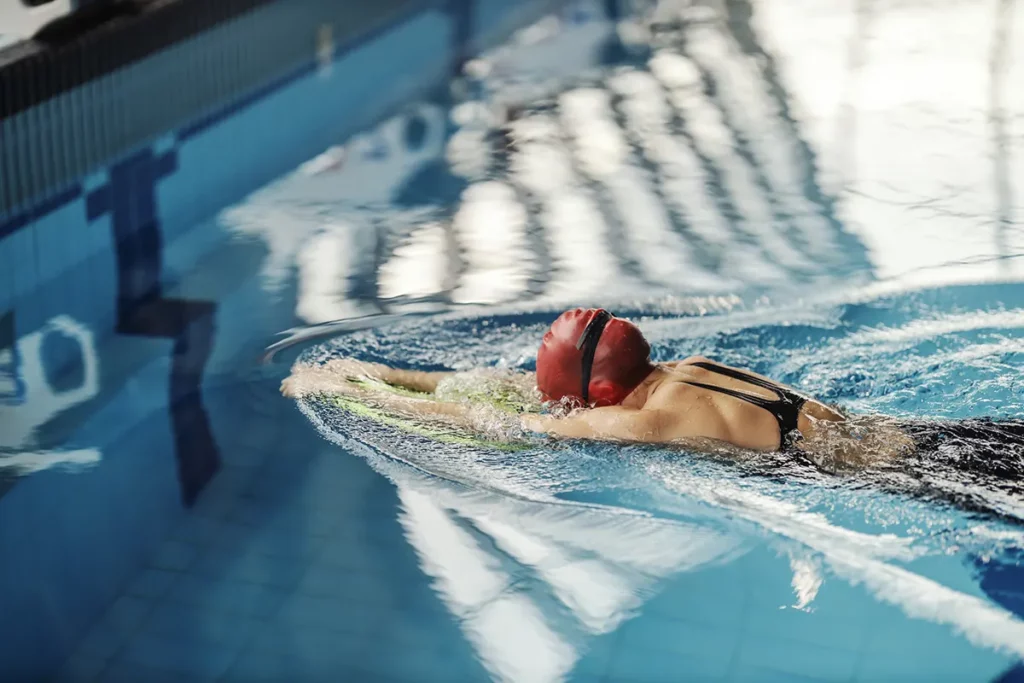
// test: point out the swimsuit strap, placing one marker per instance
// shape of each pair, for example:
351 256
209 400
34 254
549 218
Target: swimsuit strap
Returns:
785 408
759 401
742 376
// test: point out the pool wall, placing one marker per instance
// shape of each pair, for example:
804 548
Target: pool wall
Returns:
116 144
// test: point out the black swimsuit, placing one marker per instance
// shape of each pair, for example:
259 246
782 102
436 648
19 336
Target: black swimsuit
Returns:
785 407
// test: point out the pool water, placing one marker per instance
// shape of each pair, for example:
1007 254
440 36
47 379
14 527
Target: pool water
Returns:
808 191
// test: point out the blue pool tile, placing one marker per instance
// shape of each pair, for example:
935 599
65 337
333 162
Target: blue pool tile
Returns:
283 544
307 643
332 615
261 666
51 260
196 658
225 486
766 579
745 673
404 630
213 506
152 583
22 254
300 655
95 181
713 644
80 669
186 623
370 553
252 512
250 566
7 288
126 613
917 648
224 595
428 664
174 556
786 657
229 482
313 524
896 633
206 531
595 659
101 642
274 485
638 665
112 630
131 672
164 143
706 597
322 579
806 628
940 667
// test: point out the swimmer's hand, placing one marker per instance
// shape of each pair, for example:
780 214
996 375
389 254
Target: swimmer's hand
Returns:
332 377
290 388
336 375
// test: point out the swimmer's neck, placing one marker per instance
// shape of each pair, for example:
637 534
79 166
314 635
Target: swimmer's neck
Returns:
638 397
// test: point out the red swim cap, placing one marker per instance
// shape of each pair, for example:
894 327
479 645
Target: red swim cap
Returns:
621 360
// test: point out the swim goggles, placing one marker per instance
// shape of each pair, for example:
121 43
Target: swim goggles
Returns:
588 343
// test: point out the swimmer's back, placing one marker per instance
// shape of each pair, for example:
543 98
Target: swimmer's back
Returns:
728 406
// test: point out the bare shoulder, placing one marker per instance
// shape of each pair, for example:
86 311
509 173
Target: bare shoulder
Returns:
675 397
682 414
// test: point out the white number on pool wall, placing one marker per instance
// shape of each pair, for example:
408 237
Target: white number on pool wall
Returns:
30 400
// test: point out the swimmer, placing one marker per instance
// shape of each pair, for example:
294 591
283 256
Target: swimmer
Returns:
599 367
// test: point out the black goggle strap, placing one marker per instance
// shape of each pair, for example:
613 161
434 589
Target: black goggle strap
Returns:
588 342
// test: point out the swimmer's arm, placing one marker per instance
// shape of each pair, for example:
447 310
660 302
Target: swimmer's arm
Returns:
612 422
332 376
425 407
417 380
659 421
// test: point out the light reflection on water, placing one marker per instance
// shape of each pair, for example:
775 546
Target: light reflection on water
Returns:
731 153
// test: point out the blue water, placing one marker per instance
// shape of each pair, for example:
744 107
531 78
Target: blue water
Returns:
750 189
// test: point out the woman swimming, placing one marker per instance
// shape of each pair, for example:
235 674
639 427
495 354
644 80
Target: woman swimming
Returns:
598 367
